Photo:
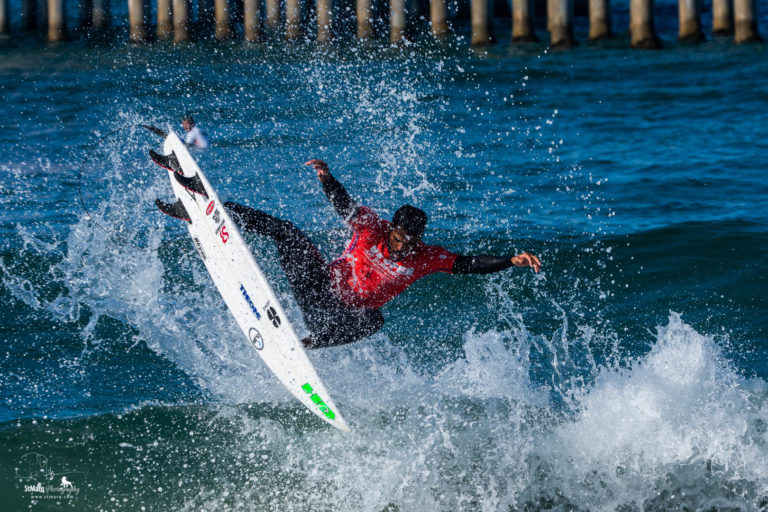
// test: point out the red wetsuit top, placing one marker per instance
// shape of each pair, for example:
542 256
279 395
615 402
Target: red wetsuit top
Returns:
364 276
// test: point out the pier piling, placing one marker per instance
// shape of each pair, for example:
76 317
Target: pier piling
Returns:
102 15
363 13
164 20
292 20
136 16
396 21
722 17
272 13
180 21
745 22
522 22
221 10
560 23
251 21
324 34
642 30
481 23
5 25
689 16
599 20
438 17
56 24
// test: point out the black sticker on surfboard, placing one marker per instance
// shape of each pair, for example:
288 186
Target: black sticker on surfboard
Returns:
273 316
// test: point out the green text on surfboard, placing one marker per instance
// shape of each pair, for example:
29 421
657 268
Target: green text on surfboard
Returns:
319 401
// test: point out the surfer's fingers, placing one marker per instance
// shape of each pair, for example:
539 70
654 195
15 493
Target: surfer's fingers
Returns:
318 164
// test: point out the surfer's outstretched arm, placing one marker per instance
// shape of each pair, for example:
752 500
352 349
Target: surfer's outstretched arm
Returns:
487 264
334 191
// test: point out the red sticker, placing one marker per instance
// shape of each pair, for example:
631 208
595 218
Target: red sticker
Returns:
223 234
210 208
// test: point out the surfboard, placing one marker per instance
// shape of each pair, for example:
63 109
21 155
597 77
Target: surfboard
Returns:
241 282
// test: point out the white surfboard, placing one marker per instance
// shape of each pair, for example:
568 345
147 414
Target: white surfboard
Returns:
244 288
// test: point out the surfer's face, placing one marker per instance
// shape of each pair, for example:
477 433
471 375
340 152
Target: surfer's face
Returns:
400 244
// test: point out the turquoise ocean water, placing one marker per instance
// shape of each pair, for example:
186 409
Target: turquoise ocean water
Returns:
631 374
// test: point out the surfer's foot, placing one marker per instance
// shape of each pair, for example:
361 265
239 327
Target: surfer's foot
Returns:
176 209
169 162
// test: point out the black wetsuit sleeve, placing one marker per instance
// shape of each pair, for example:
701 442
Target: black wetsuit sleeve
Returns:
339 198
480 264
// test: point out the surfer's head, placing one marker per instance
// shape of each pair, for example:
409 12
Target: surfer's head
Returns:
187 122
407 227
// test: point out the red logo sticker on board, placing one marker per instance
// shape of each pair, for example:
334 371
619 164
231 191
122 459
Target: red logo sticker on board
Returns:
210 208
223 234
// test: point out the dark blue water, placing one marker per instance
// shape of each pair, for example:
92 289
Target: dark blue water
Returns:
630 374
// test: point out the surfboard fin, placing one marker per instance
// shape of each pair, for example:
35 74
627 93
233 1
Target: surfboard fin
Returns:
155 130
175 210
193 184
169 162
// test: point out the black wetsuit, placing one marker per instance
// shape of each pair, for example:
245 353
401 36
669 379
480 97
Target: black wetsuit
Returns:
330 320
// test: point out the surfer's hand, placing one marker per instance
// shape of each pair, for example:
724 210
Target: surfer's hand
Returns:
526 260
321 167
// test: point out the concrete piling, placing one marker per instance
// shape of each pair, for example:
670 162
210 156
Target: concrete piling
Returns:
722 17
272 8
522 22
136 16
560 23
745 22
180 21
642 29
689 16
102 15
599 20
324 34
221 10
363 14
292 20
56 23
438 17
481 23
164 20
29 19
251 21
397 21
5 22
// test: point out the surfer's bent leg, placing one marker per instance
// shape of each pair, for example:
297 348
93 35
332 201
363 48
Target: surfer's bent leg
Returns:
330 320
346 326
259 222
304 266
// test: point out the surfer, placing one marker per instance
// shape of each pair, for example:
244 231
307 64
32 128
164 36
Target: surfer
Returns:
341 301
195 137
